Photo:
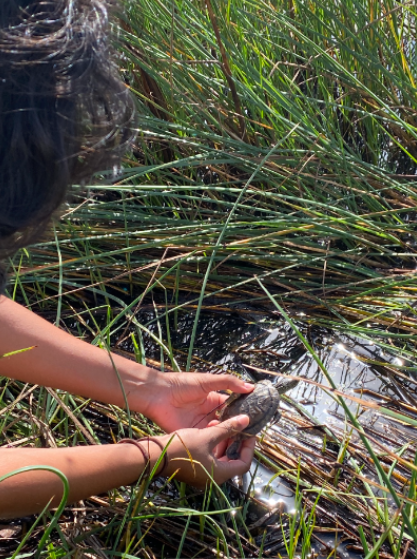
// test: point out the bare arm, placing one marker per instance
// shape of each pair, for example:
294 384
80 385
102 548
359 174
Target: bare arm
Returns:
60 360
90 470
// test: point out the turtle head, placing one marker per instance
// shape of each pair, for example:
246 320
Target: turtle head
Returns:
266 382
285 384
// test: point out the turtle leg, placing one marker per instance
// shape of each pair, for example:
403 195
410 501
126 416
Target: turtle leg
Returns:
276 418
233 451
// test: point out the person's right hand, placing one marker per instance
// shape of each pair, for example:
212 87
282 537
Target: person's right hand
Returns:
204 446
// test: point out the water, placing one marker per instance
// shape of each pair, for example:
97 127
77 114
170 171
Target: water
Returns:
250 340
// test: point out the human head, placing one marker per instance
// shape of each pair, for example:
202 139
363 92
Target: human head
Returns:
64 112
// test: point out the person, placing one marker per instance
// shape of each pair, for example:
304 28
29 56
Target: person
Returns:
64 113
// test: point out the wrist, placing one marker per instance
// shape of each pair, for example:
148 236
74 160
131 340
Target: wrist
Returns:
150 449
142 386
156 448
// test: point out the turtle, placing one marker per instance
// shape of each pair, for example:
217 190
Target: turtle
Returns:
261 405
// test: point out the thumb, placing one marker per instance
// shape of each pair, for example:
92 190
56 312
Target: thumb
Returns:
228 429
211 383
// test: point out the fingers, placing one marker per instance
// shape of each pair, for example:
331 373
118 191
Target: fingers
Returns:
227 429
247 449
246 452
220 449
208 448
227 468
211 383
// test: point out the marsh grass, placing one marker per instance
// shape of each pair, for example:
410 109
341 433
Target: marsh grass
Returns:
274 167
339 493
316 197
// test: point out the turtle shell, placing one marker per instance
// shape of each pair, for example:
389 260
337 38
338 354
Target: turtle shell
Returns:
260 405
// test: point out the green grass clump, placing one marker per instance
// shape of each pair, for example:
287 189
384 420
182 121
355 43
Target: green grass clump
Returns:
276 141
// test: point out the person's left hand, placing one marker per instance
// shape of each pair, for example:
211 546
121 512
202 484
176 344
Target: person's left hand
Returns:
183 400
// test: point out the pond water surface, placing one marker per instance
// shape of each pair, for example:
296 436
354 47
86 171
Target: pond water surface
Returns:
256 346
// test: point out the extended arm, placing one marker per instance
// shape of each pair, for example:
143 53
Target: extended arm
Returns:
60 360
90 470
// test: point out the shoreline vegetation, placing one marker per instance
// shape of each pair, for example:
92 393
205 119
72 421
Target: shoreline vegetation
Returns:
273 174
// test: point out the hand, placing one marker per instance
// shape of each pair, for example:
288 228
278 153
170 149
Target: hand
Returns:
203 445
181 400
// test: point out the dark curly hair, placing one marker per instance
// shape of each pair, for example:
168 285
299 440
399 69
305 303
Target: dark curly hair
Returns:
64 112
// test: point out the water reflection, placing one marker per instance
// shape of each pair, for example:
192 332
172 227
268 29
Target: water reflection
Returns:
313 433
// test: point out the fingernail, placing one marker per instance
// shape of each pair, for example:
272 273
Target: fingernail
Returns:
241 418
248 385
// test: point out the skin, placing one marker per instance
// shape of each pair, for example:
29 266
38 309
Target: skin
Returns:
180 403
95 469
